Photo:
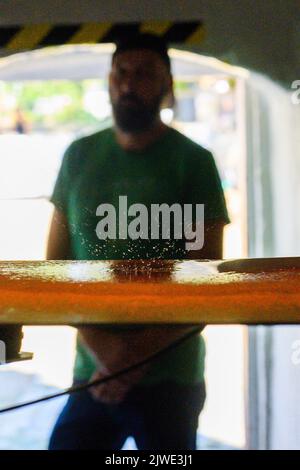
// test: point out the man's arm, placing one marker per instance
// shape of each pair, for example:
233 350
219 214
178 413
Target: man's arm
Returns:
105 344
213 242
58 247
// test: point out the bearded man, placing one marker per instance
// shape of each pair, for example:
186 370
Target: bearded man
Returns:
150 163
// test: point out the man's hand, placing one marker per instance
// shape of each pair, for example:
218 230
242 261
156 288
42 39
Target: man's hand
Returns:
114 391
111 392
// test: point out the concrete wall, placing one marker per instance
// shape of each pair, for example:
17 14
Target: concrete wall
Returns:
285 377
274 230
261 35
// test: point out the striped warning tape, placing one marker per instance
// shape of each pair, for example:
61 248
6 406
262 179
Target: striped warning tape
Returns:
40 35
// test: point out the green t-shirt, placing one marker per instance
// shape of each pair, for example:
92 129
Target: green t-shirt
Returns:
174 169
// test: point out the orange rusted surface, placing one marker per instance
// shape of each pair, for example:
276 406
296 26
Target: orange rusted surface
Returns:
106 292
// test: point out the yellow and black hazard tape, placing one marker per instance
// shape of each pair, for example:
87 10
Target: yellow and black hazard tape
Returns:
26 37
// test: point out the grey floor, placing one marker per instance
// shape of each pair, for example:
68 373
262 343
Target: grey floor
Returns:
30 427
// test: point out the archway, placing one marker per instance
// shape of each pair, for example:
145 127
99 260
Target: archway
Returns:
210 110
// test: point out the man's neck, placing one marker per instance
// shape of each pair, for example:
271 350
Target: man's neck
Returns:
141 140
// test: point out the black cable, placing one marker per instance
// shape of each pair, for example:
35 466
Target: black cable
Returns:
79 388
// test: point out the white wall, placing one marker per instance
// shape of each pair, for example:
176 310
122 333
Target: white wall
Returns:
285 160
274 230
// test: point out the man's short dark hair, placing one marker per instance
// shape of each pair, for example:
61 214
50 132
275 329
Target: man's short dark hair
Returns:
148 41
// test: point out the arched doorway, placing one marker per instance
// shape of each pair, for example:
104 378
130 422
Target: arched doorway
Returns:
210 109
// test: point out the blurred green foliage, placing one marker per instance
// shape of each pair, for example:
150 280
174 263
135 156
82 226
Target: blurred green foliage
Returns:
48 104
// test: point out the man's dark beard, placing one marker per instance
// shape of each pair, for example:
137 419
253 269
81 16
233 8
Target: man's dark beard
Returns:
133 115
